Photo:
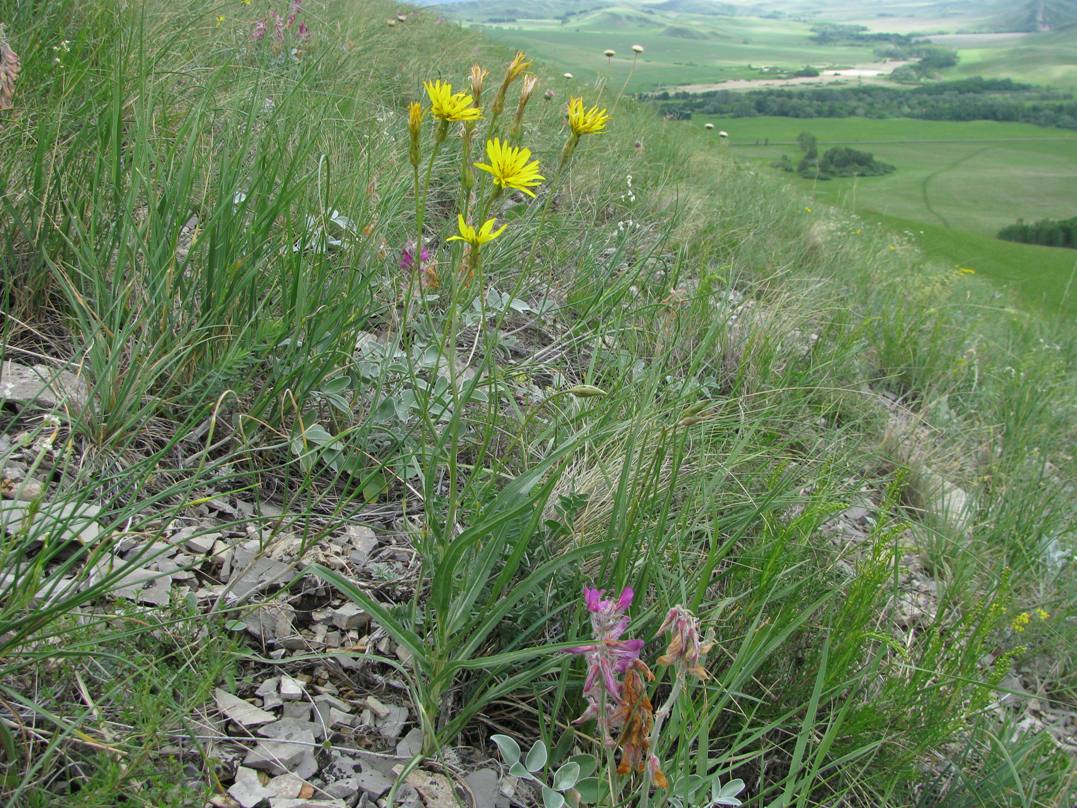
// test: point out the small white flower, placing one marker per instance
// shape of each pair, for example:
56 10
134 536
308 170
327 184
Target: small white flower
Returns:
637 49
567 75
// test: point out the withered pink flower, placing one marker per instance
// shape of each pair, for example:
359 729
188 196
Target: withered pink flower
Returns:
685 649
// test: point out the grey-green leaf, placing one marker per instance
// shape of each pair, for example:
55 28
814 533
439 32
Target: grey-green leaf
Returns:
589 789
510 750
536 757
551 798
566 777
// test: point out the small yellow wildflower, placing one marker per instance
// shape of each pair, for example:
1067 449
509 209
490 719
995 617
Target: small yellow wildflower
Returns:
220 20
1020 623
510 168
807 210
485 234
586 121
450 106
1043 614
247 2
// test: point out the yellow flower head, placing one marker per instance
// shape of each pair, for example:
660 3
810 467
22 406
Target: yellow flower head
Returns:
510 168
220 20
586 121
1043 614
485 234
1020 623
450 106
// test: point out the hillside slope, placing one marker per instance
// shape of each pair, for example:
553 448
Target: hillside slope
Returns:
345 450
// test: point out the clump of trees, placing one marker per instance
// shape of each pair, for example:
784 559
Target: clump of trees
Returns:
974 99
1048 232
839 161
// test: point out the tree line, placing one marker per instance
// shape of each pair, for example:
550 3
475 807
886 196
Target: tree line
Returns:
975 99
1048 232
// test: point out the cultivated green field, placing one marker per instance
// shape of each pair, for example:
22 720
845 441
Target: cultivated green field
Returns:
680 48
956 185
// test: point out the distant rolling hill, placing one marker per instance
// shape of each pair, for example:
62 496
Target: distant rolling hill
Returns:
1039 15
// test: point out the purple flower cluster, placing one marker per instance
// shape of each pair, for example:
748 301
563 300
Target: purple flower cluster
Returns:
608 657
407 257
281 24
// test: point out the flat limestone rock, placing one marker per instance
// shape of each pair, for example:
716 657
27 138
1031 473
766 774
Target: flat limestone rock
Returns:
247 789
282 755
436 789
41 386
74 521
291 689
484 785
259 575
242 712
350 617
271 622
373 783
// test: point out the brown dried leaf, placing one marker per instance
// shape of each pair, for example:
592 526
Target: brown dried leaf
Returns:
9 71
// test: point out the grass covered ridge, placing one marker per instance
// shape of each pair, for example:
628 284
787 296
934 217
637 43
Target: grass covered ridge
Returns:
669 373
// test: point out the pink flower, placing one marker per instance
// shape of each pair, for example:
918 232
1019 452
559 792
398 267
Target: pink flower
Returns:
407 257
259 32
295 7
303 32
608 657
278 26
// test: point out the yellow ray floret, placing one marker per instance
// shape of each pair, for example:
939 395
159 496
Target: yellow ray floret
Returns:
510 168
484 234
586 121
450 106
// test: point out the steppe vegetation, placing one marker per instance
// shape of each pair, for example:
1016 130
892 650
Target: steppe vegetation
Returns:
316 387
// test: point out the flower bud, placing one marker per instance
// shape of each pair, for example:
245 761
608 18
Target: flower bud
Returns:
586 391
415 122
